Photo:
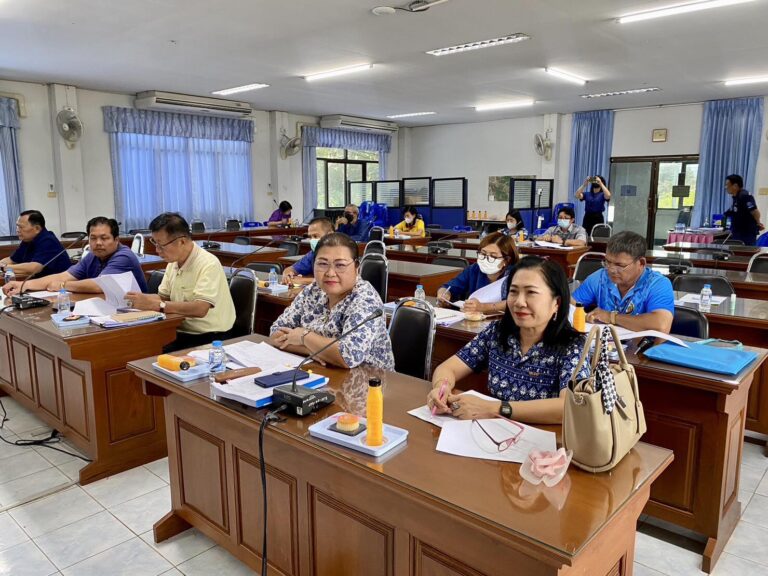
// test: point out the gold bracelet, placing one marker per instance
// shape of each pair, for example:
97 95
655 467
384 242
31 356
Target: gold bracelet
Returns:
614 314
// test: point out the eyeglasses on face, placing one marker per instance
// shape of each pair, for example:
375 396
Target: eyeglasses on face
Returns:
617 267
496 436
339 266
489 257
164 244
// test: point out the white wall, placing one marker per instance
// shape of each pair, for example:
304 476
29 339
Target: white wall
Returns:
632 131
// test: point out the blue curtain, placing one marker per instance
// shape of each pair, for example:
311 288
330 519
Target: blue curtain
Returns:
730 143
10 167
199 166
314 137
591 141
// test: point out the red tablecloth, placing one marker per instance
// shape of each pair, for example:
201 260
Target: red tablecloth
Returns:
698 237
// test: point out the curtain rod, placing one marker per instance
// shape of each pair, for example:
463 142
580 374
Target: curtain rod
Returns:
657 106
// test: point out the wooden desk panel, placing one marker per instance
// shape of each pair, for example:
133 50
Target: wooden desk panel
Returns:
431 514
76 382
422 254
747 285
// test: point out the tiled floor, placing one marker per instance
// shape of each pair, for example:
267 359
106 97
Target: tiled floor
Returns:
105 528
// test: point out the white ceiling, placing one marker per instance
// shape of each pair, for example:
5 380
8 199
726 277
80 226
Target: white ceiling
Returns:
198 46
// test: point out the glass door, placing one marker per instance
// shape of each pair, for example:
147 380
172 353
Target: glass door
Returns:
630 184
675 192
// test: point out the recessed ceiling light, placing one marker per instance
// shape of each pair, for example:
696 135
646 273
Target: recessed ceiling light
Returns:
742 81
383 11
411 115
510 39
621 92
338 72
676 9
238 89
503 105
565 76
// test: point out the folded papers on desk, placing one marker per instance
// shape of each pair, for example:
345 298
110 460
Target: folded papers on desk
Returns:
127 319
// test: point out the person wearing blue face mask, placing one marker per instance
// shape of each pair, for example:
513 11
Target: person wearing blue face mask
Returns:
594 200
567 232
301 272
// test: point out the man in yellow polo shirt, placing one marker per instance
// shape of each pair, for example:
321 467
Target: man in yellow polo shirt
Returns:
194 285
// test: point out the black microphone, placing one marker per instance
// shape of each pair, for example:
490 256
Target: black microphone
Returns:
439 249
303 401
212 245
22 302
259 249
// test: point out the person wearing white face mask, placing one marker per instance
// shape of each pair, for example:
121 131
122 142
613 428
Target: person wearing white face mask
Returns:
301 272
411 225
515 224
496 257
567 232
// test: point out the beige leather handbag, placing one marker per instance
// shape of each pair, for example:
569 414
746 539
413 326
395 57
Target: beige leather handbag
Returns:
603 417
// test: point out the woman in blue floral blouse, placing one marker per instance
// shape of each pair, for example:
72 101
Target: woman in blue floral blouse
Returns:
529 354
337 300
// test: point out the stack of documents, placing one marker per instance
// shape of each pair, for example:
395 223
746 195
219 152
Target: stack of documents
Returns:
545 244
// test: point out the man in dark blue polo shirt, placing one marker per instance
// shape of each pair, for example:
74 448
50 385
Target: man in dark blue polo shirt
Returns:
304 270
106 256
744 215
351 225
38 246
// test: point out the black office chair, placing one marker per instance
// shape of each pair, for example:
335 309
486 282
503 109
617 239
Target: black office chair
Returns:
588 263
689 322
684 217
412 332
375 269
375 247
720 285
601 231
291 246
439 246
242 240
265 267
758 263
243 287
198 227
734 243
68 235
142 231
433 226
233 225
155 278
377 233
453 261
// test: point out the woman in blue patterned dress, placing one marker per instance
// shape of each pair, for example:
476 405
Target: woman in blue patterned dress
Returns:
337 300
529 354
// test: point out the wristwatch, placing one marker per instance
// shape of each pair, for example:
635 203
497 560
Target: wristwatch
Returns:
162 305
304 334
505 409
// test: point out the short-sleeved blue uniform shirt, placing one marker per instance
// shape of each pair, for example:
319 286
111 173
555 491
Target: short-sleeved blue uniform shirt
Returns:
122 260
651 292
42 248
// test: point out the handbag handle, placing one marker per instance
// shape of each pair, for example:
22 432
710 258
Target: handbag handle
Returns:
594 334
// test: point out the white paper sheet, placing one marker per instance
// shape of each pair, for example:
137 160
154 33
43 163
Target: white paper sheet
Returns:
94 307
425 413
456 438
446 316
115 287
251 354
696 298
545 244
625 334
42 294
491 293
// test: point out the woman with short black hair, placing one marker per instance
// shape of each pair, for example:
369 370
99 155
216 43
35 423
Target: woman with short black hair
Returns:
281 216
412 224
594 200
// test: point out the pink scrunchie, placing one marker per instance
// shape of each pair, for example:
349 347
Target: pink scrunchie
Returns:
547 463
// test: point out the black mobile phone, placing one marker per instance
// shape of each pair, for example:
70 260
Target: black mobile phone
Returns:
277 378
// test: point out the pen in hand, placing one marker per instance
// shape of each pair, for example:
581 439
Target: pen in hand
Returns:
439 397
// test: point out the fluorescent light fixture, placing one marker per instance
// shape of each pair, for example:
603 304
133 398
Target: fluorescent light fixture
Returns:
676 9
510 39
503 105
411 115
565 76
238 89
621 92
338 72
743 81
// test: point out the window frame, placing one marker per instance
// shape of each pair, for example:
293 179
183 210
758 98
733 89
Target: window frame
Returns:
345 162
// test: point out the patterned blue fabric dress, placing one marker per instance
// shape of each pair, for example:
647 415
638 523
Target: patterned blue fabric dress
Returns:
369 344
539 374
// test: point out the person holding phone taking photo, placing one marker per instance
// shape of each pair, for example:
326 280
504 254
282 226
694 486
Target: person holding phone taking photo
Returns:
594 200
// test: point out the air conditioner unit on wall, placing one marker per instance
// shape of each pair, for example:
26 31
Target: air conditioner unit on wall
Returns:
352 123
171 102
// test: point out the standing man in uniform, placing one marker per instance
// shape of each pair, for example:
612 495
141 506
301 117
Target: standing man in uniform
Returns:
744 215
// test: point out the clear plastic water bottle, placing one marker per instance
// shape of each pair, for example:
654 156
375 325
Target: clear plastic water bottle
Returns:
63 302
705 299
420 294
9 275
272 278
217 357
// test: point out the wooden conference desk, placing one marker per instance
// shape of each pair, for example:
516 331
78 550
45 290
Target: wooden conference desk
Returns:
696 246
698 415
76 381
735 262
422 254
746 284
415 511
228 253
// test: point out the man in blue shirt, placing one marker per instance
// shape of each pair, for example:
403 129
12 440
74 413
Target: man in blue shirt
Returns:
106 256
352 226
38 246
303 271
626 293
744 215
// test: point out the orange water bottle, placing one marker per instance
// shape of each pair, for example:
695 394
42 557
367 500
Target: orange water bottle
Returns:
521 236
580 318
391 230
374 413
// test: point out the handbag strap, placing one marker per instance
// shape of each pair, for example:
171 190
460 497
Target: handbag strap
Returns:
593 335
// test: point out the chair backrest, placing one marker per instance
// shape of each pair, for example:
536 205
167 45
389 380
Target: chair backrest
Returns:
67 235
434 226
155 278
439 246
720 285
666 261
265 267
137 246
453 261
233 225
758 264
375 247
243 287
601 231
242 240
412 332
374 269
689 322
377 233
144 231
290 246
588 263
197 226
684 217
86 251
